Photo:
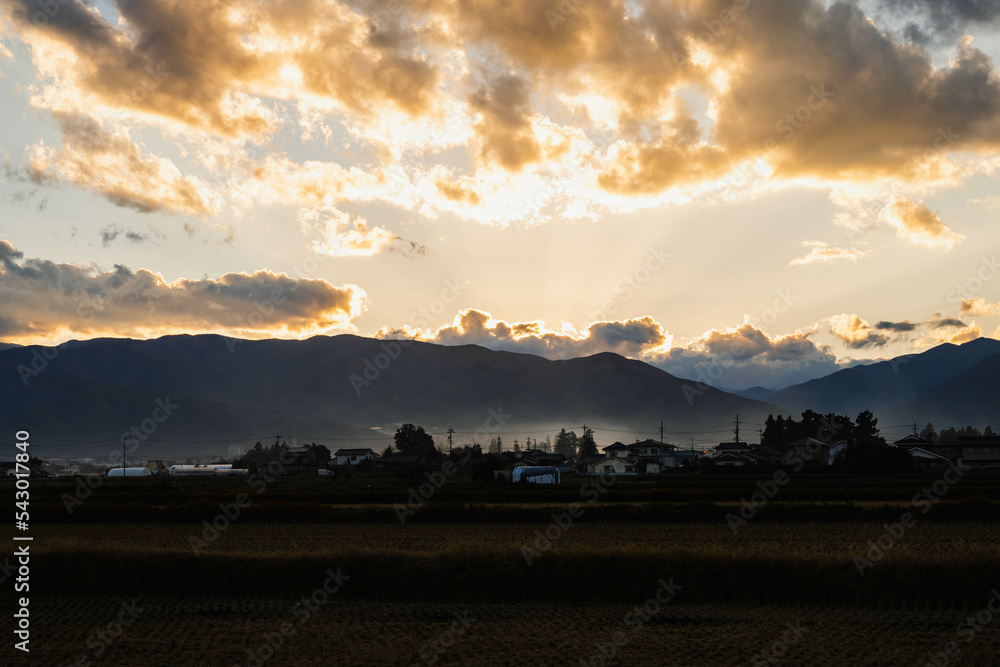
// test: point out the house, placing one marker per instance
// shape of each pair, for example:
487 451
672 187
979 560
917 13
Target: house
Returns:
836 449
352 457
301 461
731 448
811 451
732 460
536 475
611 465
536 457
618 449
982 451
924 459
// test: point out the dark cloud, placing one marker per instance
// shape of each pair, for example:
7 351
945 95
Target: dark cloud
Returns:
112 232
945 17
898 327
43 299
947 322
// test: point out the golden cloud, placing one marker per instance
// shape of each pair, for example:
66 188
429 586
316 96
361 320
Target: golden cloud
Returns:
46 301
916 223
823 252
110 164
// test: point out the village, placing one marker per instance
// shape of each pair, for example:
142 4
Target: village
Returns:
650 457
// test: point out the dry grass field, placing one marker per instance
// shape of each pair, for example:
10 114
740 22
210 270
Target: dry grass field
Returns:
462 593
207 630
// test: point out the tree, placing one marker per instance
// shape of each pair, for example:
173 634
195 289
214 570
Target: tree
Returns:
865 426
387 452
322 451
874 456
587 445
988 431
929 434
566 443
413 440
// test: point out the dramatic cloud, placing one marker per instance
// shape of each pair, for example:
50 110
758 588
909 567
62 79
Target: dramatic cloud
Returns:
896 327
950 331
45 301
916 223
855 332
346 235
604 96
632 338
734 357
823 252
110 164
979 306
112 232
945 16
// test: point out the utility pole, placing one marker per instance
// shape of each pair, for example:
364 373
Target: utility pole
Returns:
915 428
661 433
737 422
450 432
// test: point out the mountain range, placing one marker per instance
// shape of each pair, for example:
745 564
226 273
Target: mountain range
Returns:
80 397
83 395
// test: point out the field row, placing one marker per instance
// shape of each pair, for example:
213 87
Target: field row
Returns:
216 631
928 540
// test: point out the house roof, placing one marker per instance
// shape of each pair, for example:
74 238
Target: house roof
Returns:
912 440
353 452
805 442
920 453
731 446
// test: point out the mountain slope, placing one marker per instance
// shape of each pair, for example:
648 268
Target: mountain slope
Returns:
887 386
971 397
339 387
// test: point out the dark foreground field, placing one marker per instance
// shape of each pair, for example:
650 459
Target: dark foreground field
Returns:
112 585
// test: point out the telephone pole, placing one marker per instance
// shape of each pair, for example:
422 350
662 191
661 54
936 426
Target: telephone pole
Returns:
661 433
737 422
450 432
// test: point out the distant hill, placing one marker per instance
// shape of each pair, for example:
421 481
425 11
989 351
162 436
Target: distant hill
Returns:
900 389
971 397
338 388
754 393
7 346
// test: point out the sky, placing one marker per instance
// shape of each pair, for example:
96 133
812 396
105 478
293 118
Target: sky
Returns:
741 192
